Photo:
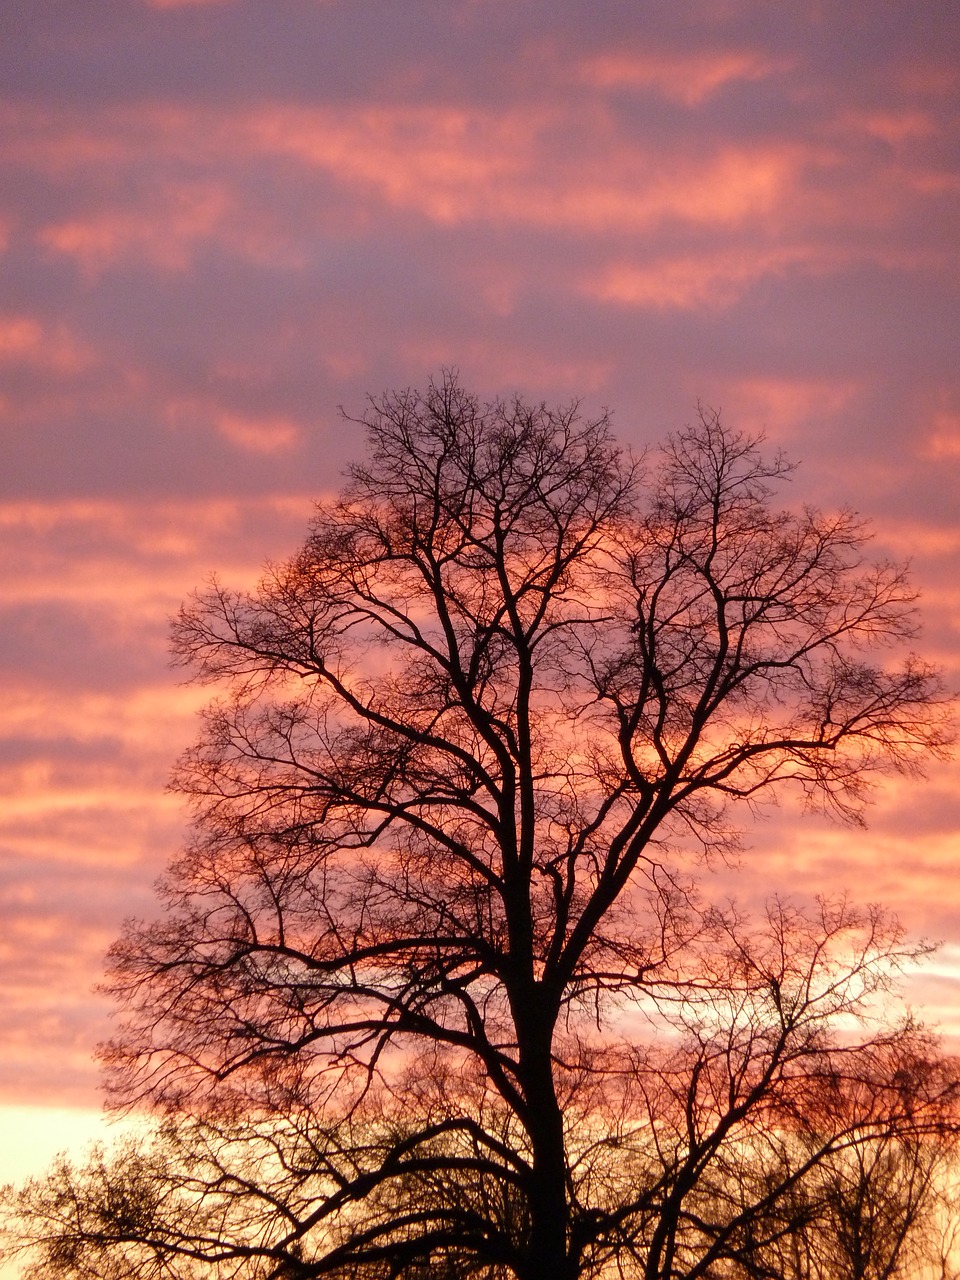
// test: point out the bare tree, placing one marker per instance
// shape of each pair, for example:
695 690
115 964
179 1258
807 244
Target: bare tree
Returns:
738 1136
438 898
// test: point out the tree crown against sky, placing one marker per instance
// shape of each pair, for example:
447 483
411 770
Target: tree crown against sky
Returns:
437 922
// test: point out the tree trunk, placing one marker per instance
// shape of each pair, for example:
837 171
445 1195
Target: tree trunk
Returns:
549 1212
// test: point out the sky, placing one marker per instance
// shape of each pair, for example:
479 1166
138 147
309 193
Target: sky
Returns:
220 220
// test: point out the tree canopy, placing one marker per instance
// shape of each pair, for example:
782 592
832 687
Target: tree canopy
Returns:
434 987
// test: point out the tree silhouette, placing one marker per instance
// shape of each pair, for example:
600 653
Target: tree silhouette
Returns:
434 990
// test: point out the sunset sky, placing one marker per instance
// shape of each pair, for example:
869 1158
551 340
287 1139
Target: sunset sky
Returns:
221 220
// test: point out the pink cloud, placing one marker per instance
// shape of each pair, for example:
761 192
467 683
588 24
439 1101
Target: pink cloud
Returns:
766 221
943 441
25 340
165 234
258 435
185 4
715 281
457 165
785 404
448 164
123 567
686 78
498 363
899 128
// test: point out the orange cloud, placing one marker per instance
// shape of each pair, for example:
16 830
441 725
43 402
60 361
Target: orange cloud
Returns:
912 538
139 558
127 716
145 526
90 824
